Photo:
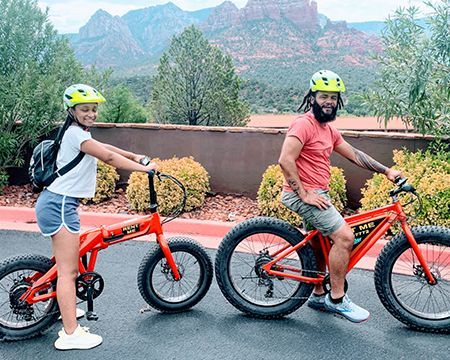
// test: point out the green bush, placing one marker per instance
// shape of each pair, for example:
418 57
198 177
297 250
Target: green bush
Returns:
3 180
106 183
191 174
269 194
429 174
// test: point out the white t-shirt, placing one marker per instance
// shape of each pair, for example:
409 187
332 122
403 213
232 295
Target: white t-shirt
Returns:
81 180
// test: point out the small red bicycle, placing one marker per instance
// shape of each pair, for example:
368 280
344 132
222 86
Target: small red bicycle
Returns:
174 275
266 268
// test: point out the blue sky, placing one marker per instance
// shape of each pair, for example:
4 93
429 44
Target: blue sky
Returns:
69 15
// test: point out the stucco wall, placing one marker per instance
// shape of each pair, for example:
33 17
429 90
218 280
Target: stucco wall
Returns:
235 158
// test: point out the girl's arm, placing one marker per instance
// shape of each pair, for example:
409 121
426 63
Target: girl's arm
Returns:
124 153
113 158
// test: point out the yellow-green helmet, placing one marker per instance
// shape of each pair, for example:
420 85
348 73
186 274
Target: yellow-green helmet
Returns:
81 94
326 80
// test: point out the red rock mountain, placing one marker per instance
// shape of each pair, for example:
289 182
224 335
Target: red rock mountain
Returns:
262 37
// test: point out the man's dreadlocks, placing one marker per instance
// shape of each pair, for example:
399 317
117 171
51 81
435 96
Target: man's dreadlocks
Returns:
307 101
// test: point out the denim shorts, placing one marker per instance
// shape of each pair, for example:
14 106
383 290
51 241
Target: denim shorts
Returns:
326 221
53 211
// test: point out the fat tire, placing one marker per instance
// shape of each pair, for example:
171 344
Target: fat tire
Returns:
263 225
147 266
28 262
383 271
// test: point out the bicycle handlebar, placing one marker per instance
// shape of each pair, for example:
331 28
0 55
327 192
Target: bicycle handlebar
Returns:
403 186
151 186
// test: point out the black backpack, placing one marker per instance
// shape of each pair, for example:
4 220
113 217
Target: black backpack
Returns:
42 170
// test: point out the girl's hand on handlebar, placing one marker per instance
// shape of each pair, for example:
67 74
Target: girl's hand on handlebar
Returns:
392 174
151 166
138 158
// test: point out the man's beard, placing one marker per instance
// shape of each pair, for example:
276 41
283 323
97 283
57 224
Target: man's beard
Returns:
321 116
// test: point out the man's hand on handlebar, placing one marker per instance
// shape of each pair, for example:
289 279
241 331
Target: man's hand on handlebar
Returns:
392 174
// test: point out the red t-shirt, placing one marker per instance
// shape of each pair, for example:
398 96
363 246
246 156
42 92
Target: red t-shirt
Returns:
319 141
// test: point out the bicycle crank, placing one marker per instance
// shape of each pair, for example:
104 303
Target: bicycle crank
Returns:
88 287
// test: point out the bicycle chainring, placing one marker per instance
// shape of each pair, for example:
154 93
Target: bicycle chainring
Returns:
89 280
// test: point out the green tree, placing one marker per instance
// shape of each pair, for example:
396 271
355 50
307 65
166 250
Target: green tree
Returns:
122 107
36 65
196 84
414 71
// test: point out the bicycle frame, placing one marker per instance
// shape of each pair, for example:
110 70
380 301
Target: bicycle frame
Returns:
377 222
94 240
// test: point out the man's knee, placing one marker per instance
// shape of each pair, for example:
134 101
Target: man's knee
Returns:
343 236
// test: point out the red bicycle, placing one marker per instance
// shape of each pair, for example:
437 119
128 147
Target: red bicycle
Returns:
266 268
173 276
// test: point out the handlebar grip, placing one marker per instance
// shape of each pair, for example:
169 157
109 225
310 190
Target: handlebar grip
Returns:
399 181
145 161
151 173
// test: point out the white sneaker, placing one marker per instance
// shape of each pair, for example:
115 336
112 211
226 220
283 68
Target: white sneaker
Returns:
80 313
80 339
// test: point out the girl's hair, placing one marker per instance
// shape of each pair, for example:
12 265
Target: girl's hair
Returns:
306 103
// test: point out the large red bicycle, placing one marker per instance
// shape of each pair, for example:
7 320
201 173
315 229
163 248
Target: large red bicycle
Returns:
174 275
266 268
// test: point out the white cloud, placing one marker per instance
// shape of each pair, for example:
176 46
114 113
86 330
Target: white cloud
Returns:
69 15
363 10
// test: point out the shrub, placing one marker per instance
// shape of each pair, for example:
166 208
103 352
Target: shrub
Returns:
3 180
429 174
191 174
106 183
269 194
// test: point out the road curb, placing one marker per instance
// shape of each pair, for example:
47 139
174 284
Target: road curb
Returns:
210 233
24 215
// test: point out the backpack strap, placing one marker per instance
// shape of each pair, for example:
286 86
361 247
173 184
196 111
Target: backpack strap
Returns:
66 168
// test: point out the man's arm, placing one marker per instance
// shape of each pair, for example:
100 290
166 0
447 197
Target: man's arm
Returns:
289 154
365 161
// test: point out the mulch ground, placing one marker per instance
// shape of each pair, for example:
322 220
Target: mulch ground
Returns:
217 207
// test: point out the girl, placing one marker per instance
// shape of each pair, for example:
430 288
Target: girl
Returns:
56 208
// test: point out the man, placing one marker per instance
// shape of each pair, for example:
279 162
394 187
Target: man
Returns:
305 162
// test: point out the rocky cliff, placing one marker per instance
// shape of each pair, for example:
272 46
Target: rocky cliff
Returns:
265 33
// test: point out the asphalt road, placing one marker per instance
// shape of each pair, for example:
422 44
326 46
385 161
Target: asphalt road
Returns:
216 330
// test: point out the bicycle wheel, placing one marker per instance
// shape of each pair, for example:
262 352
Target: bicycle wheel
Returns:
242 253
20 321
157 285
402 285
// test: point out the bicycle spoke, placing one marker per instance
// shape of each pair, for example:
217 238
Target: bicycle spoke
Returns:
413 291
165 285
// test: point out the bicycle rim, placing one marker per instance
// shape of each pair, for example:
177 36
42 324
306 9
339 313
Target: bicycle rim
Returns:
14 316
410 284
245 273
170 290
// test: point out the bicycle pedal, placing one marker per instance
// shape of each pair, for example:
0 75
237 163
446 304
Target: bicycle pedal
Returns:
91 316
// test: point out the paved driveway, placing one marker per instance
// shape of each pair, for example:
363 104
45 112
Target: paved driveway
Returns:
214 329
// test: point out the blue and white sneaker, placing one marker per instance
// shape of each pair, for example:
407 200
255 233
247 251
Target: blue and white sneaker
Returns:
347 309
317 302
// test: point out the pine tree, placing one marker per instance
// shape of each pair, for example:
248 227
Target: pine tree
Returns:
196 84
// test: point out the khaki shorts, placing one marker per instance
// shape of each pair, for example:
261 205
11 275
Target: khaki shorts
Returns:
326 221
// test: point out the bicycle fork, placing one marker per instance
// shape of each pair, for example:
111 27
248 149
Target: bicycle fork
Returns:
412 241
169 257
